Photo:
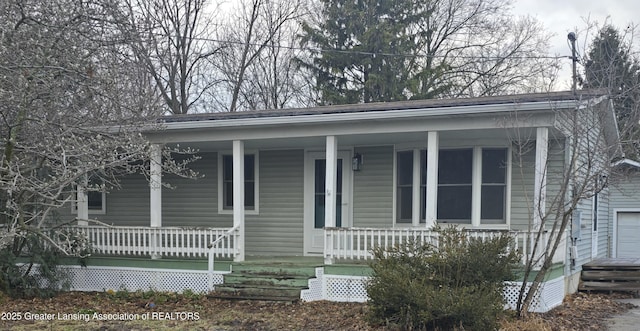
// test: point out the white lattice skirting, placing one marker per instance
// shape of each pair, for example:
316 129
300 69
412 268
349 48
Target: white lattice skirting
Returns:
549 296
353 289
98 278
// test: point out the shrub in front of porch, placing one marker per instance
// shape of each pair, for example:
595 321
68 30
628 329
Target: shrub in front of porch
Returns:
455 284
29 263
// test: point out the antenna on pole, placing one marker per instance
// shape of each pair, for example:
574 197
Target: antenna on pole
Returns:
572 38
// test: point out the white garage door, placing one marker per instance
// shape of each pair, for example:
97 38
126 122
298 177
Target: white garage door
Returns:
628 235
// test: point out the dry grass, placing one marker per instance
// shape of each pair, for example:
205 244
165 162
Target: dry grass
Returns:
532 322
578 312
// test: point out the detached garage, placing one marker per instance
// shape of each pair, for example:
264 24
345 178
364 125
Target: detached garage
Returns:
624 210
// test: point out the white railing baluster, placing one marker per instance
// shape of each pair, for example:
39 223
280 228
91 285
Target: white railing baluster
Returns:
130 246
365 248
186 242
140 241
348 243
163 241
102 243
358 243
146 242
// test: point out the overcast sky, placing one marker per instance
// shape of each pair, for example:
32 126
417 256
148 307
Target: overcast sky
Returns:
563 16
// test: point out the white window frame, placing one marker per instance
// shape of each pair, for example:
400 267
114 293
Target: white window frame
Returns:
416 187
101 211
256 160
476 188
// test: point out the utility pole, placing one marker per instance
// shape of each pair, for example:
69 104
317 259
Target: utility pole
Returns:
574 60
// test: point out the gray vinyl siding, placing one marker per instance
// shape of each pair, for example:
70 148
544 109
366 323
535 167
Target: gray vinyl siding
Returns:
373 188
189 202
522 186
584 243
523 180
193 202
625 192
555 175
127 205
604 240
278 229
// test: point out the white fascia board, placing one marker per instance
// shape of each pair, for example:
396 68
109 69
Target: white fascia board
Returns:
628 162
339 128
373 115
591 102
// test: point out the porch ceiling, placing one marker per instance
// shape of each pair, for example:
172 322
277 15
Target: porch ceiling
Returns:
468 137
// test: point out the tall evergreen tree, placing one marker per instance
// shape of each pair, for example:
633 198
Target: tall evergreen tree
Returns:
611 65
386 50
364 45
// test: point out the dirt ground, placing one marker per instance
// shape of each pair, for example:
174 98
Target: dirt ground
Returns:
163 311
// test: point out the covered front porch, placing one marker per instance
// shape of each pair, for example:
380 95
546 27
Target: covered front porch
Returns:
332 184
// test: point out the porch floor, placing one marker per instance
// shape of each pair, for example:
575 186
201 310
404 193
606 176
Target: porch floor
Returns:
614 262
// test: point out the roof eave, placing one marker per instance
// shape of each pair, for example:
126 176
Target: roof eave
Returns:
377 115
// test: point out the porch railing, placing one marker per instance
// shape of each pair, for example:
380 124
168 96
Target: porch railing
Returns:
357 243
156 241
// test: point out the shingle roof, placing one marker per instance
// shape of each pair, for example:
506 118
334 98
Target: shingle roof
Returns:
398 105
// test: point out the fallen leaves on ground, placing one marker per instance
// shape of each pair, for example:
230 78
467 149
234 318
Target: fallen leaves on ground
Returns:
165 311
583 311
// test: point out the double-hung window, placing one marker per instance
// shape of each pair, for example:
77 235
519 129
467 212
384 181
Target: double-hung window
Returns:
250 183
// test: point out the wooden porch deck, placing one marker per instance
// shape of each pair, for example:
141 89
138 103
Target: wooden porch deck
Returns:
617 262
619 274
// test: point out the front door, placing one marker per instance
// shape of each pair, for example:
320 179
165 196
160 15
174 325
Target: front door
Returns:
315 201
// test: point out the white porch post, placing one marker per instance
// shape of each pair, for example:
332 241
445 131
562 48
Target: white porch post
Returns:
82 203
415 194
331 172
331 182
238 195
540 185
431 204
155 185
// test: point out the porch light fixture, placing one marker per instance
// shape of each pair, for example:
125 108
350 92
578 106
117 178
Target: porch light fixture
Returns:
356 162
